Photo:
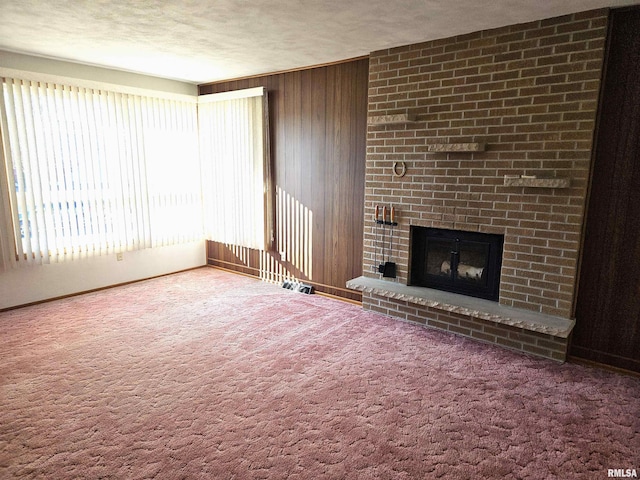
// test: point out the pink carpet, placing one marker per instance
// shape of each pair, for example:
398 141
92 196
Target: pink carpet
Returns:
206 374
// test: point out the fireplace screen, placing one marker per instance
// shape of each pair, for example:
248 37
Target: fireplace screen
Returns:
456 261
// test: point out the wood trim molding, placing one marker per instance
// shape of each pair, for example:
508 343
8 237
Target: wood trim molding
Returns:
280 72
231 267
92 290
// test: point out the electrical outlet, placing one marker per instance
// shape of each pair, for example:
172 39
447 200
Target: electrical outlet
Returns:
119 256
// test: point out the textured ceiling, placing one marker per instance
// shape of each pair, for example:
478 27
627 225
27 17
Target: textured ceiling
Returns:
204 41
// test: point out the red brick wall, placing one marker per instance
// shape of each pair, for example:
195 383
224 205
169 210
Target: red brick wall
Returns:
528 91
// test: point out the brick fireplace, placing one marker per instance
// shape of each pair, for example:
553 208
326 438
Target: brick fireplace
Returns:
489 132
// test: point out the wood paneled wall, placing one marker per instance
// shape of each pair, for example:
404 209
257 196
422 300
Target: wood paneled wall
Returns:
608 302
318 140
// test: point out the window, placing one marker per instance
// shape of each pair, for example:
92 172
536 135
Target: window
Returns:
234 152
88 171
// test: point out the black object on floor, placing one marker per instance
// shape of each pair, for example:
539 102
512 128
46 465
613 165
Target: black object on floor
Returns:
298 286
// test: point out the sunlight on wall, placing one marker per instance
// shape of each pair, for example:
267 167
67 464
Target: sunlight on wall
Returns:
241 253
292 254
293 244
294 223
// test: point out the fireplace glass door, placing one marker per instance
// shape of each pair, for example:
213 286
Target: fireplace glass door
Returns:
456 261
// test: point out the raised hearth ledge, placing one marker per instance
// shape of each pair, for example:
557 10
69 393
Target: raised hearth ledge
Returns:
464 305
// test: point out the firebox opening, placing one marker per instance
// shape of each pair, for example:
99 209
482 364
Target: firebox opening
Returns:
456 261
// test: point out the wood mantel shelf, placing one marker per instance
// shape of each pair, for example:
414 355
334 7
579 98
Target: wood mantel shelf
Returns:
464 305
456 147
396 119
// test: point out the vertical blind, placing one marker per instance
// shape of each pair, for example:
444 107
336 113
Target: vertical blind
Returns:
87 172
234 153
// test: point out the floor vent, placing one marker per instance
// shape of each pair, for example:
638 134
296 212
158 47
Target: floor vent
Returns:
298 286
